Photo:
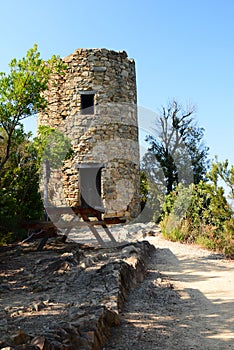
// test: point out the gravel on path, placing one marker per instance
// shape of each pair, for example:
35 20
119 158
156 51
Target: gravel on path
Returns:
185 302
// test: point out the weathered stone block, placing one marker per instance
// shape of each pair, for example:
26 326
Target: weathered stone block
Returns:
103 135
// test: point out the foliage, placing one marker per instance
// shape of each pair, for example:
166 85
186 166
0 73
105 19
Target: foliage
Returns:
199 214
53 149
222 171
151 189
194 205
53 146
178 147
22 95
228 237
20 199
19 196
144 189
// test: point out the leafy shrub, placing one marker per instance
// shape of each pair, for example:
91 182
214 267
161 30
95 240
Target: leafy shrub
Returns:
19 197
199 214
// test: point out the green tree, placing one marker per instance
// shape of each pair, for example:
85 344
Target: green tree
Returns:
22 95
199 213
152 186
20 199
19 196
225 172
178 147
52 146
144 189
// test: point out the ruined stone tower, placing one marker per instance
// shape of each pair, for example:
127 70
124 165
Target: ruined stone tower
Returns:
94 105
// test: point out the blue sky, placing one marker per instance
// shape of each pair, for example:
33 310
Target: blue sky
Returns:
184 49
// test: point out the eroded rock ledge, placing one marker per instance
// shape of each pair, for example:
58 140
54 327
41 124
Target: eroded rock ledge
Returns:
67 296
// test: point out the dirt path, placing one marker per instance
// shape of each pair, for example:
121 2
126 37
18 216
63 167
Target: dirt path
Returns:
186 302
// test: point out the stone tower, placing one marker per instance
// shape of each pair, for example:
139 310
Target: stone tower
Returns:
94 105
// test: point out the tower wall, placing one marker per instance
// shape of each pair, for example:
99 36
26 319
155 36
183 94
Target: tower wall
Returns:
105 133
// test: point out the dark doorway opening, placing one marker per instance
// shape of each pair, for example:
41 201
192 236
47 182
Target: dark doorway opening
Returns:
87 103
90 181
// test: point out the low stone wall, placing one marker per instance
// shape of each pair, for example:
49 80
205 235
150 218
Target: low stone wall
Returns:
79 293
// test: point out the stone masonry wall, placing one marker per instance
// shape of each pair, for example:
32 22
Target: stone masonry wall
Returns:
109 136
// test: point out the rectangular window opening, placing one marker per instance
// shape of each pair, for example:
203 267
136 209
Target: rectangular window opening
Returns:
87 103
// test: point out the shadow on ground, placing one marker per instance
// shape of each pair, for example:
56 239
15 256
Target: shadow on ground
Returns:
159 315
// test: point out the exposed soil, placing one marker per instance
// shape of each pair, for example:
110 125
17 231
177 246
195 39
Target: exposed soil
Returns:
186 302
68 296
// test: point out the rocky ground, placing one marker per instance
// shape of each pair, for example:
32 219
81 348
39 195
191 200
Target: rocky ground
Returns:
79 296
68 295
